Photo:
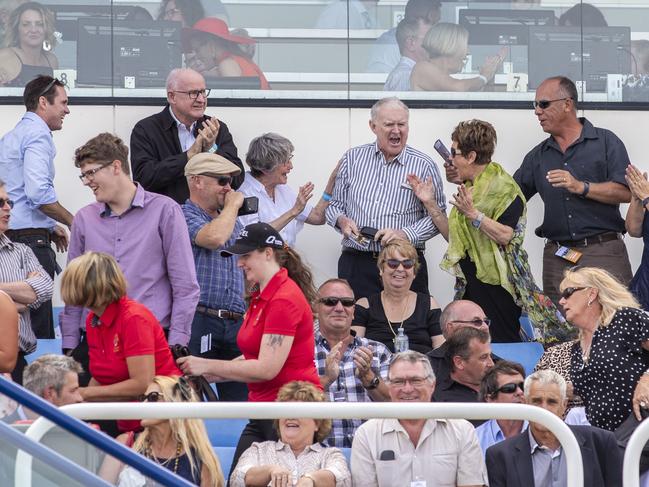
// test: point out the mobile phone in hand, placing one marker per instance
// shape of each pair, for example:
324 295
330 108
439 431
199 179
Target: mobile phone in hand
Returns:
443 151
250 205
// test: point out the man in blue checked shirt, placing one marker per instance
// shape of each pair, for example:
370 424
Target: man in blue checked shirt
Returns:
371 193
211 216
351 368
27 165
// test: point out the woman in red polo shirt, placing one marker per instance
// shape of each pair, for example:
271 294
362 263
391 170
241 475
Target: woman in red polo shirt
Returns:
276 336
126 344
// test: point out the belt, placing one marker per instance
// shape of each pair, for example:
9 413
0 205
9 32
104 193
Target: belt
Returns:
224 314
373 254
585 242
29 232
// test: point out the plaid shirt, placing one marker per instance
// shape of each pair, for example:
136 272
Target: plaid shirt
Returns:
348 385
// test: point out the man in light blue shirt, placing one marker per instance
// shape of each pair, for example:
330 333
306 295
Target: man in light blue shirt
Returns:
27 164
503 383
410 36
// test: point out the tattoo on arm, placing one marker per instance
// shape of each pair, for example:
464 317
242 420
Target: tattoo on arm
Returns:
274 340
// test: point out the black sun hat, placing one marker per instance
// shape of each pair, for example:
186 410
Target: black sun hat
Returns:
255 236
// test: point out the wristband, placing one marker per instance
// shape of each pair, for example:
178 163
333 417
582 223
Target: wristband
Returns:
483 78
213 149
326 196
478 221
644 205
586 189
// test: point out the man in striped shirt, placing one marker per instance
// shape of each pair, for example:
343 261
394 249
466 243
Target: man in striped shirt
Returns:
371 191
24 280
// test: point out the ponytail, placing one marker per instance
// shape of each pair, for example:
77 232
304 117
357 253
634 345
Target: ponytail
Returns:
298 271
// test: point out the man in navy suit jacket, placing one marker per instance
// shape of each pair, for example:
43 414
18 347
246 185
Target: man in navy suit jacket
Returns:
535 456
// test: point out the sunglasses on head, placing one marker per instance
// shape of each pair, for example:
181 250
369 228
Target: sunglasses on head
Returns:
510 387
543 104
569 291
395 263
150 397
6 201
333 301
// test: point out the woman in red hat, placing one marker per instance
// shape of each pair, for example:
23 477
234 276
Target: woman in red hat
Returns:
217 52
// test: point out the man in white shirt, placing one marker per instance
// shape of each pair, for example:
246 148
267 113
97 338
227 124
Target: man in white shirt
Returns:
410 36
416 452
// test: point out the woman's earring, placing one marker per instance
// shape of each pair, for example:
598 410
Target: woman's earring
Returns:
590 302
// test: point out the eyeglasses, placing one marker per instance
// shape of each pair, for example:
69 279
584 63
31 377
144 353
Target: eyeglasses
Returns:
395 263
90 173
193 95
476 322
569 291
332 301
455 152
154 396
6 201
172 11
402 381
543 104
510 388
224 180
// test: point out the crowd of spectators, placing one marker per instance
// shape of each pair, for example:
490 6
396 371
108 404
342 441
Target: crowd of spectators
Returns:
163 259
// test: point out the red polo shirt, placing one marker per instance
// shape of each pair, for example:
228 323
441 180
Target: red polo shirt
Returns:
280 309
127 329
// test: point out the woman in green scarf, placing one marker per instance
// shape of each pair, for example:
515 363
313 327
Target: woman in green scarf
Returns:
486 228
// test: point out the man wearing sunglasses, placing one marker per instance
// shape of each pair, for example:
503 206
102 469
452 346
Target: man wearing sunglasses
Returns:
502 384
211 216
351 368
27 156
145 232
535 458
579 172
25 281
161 144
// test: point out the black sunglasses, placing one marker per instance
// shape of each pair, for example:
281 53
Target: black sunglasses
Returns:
455 152
477 322
543 104
6 201
224 180
150 397
333 301
395 263
510 387
569 291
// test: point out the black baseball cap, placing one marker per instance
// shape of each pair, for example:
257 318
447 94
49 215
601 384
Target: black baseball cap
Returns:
255 236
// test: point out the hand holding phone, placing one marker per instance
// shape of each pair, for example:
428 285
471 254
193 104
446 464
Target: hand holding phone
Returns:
250 205
443 151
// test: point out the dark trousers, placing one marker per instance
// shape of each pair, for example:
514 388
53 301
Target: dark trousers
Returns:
360 270
41 317
610 256
220 335
257 430
17 373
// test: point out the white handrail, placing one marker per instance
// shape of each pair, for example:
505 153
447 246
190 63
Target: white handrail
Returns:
630 473
322 410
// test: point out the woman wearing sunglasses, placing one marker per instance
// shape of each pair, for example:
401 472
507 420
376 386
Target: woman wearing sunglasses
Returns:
179 445
276 337
486 231
380 316
270 157
610 360
126 343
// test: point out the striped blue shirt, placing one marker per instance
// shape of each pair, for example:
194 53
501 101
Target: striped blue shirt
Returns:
371 191
219 278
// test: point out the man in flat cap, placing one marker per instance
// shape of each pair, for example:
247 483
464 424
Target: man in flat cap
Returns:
211 216
145 232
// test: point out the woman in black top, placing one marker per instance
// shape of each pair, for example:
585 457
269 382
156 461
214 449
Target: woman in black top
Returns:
381 315
608 367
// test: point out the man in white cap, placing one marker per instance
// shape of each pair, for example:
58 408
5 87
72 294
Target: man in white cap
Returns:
211 216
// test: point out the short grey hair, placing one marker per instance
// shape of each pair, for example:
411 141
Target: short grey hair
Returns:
374 111
175 75
413 357
546 377
268 151
49 371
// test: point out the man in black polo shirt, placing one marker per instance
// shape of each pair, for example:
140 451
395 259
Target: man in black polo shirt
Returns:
579 173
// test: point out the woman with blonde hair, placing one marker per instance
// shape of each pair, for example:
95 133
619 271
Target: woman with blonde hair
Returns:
609 361
180 445
126 343
29 40
298 458
447 46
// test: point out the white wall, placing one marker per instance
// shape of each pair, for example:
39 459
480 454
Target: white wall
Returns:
320 137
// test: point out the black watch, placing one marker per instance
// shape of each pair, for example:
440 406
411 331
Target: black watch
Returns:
373 384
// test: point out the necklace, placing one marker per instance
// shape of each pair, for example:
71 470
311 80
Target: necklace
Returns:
176 459
405 309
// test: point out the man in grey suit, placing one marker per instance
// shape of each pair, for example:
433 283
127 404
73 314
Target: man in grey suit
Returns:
535 457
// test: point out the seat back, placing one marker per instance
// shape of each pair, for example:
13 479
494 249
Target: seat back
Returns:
527 353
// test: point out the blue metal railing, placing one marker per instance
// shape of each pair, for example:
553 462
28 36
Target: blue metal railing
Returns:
50 457
97 439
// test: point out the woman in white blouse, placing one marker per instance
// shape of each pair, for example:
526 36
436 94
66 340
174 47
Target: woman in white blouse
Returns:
270 157
298 458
